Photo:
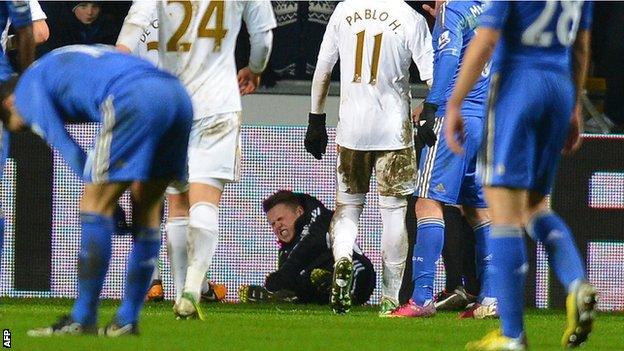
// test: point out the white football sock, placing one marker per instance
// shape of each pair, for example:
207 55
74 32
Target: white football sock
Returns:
393 244
203 239
344 225
177 228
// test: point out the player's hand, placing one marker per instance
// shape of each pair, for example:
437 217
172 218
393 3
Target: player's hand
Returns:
248 81
454 129
574 140
433 11
316 136
123 48
424 126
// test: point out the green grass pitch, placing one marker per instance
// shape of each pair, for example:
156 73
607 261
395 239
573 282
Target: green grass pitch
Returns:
288 327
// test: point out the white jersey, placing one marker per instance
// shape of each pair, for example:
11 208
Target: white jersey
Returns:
376 40
148 43
197 41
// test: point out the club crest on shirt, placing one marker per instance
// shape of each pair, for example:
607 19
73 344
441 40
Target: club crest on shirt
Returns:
444 39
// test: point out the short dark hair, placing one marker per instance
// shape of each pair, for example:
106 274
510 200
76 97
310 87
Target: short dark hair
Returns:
6 89
285 197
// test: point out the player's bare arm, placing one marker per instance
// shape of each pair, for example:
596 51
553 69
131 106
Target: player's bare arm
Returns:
478 54
26 46
580 61
260 51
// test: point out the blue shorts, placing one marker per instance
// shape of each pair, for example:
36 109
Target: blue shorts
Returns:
527 125
449 178
144 133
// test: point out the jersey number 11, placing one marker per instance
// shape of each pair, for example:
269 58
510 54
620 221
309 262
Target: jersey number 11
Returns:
359 53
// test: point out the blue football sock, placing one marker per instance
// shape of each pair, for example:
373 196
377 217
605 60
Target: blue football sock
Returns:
95 254
508 272
563 255
483 258
428 248
141 265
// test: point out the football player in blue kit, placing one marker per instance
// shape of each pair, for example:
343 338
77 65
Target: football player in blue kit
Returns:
145 116
446 178
540 56
18 12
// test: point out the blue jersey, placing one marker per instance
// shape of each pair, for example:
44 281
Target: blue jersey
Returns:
19 14
536 34
71 85
454 28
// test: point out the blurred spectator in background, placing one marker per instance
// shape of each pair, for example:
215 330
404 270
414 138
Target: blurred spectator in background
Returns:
82 22
300 223
298 36
614 62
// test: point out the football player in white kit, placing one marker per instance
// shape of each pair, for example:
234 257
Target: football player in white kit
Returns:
376 41
196 42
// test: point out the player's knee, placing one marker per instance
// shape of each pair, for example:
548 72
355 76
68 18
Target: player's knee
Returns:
180 221
532 220
427 208
392 203
477 217
204 216
345 199
178 205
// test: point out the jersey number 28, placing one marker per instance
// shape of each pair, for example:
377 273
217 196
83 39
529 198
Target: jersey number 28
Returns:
217 33
567 24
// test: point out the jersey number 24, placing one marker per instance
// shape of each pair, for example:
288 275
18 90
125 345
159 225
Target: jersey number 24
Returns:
217 33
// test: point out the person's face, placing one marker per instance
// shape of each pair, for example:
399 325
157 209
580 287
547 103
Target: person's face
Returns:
14 122
87 12
282 219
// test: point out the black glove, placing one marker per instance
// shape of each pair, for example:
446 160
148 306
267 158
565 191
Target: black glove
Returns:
316 136
425 123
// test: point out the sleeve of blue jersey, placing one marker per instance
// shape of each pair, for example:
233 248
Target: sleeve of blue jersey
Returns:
495 14
19 12
448 41
587 15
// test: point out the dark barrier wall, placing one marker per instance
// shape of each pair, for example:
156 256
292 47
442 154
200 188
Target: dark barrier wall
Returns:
33 211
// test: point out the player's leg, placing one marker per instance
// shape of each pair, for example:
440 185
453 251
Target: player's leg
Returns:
546 226
97 206
97 226
353 170
439 182
177 234
509 259
147 202
486 306
203 235
395 172
507 173
214 160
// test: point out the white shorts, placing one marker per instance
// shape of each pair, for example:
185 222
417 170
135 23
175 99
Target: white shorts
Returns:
214 151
